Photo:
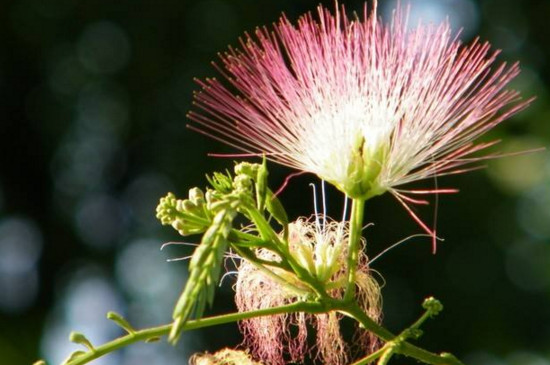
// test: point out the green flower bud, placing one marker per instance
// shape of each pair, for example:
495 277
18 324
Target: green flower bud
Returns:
212 197
196 196
242 183
189 207
432 306
167 209
247 168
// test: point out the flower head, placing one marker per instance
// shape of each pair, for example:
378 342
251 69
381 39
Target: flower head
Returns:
321 249
364 105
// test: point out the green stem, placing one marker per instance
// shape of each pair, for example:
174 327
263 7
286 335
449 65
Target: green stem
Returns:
386 356
371 357
352 310
405 348
249 240
253 260
263 227
356 226
155 332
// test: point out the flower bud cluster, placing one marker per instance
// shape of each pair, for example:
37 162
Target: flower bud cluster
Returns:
194 214
187 216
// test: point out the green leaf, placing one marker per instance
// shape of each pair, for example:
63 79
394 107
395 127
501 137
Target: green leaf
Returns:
119 320
81 339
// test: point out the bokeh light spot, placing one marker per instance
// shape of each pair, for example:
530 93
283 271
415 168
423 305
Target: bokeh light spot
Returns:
528 266
104 48
152 284
534 211
85 164
519 173
143 194
102 108
100 220
526 358
20 249
142 269
66 73
20 245
19 290
462 14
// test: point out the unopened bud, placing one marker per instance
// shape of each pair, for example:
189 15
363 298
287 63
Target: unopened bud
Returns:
432 305
212 197
196 196
185 228
188 206
242 183
247 168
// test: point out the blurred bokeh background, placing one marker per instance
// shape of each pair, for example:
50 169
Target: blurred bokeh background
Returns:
93 97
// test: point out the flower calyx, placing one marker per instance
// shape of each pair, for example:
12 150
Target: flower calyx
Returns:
364 167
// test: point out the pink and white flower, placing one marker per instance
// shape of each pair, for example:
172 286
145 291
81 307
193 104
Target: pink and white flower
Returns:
366 106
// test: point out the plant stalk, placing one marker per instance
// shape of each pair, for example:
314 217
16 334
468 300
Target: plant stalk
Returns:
356 227
163 330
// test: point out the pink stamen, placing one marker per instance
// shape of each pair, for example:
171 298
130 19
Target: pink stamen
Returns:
287 180
429 191
432 233
234 155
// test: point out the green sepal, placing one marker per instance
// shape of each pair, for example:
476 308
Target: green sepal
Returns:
275 208
261 186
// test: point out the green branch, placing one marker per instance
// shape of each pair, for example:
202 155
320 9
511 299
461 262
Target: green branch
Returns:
153 333
397 344
371 357
394 344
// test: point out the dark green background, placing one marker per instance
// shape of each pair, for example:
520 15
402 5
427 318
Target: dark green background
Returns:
93 97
